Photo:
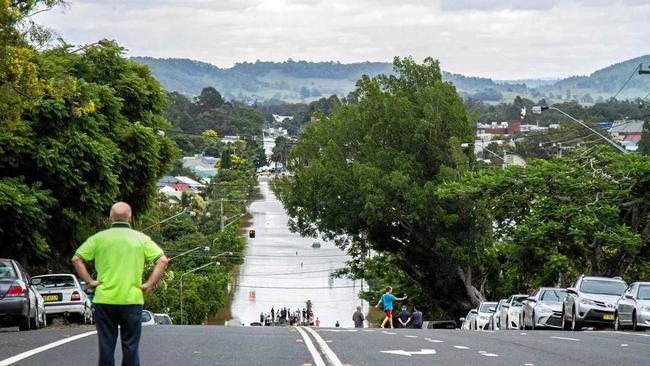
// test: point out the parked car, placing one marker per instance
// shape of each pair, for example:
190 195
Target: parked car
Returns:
591 301
633 308
509 317
543 309
162 319
485 311
495 319
64 296
147 318
468 320
20 303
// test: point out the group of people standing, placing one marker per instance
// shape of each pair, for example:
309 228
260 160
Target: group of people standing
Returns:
286 315
404 318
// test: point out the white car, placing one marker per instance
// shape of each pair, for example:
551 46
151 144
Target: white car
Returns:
162 319
63 295
147 318
485 311
468 320
510 311
495 319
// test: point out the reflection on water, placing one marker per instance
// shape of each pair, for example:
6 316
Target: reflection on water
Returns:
281 269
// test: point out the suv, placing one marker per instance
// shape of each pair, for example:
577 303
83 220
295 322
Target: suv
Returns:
591 301
63 295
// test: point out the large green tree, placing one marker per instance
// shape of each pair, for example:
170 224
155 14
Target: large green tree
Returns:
367 177
78 131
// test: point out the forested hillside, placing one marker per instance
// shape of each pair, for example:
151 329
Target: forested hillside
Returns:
301 81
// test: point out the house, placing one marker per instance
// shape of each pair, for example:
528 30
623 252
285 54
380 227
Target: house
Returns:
627 132
175 190
194 185
204 166
166 179
498 128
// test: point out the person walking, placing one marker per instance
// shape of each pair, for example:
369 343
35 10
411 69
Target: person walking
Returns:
416 318
317 322
119 254
403 318
358 318
387 300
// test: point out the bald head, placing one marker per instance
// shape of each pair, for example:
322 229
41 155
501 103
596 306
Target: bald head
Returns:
121 211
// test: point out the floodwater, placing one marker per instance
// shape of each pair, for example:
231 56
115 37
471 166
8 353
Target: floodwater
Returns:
281 269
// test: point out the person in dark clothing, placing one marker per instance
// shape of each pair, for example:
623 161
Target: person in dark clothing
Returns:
403 318
272 314
358 318
416 318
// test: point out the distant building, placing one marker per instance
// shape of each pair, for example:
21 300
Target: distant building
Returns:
204 166
628 133
498 128
278 118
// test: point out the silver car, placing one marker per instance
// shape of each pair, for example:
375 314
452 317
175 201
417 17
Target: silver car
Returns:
485 311
509 317
633 308
495 319
64 296
468 321
591 301
543 308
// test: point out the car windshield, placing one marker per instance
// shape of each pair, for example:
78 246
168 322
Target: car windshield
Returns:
55 281
603 287
7 270
553 295
162 319
517 301
145 316
487 307
644 292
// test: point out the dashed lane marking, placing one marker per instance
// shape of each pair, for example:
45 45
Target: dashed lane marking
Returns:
624 345
312 350
461 347
410 336
385 332
529 364
24 355
299 340
433 340
566 339
523 333
488 354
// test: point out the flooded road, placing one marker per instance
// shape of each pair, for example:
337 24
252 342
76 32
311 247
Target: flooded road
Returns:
283 270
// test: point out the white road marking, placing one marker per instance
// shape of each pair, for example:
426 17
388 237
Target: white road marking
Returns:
461 347
410 336
334 360
368 330
24 355
318 360
385 332
624 345
409 354
522 333
487 331
433 340
337 330
529 364
488 354
566 339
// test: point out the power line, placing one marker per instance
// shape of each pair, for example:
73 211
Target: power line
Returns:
294 288
628 80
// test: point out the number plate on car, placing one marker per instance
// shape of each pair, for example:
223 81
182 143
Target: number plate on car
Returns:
50 298
608 317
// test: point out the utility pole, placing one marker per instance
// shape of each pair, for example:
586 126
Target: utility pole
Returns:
221 226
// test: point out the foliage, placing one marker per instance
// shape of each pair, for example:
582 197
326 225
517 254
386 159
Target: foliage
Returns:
78 132
366 176
280 152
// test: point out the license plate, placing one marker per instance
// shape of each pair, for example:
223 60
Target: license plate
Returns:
50 298
608 317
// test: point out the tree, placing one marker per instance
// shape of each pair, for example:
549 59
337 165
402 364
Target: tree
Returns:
280 152
644 144
366 176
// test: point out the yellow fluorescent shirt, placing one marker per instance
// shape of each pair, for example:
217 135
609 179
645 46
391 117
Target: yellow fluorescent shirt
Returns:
119 254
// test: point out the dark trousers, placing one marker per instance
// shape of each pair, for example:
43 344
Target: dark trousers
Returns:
108 318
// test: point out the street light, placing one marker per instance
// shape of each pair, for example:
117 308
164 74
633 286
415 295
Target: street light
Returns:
222 254
192 213
540 109
186 273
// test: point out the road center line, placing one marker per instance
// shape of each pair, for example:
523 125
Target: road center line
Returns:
433 340
24 355
310 346
566 339
488 354
461 347
333 359
410 336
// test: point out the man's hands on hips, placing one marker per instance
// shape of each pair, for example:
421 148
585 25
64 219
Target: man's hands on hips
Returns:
94 283
146 288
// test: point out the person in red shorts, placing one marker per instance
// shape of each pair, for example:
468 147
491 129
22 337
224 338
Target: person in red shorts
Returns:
387 299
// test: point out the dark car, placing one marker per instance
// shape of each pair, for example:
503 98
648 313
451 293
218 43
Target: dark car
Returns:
20 303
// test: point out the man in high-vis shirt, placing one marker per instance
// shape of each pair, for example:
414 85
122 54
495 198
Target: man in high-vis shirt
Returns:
119 254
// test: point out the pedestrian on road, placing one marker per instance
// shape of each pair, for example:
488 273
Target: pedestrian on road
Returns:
119 254
317 322
387 299
403 318
262 318
272 314
358 318
337 324
416 318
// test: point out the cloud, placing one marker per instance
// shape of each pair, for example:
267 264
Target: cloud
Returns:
501 39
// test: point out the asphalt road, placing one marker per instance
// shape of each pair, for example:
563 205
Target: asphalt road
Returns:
212 345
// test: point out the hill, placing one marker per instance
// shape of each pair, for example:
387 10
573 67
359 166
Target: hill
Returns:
302 81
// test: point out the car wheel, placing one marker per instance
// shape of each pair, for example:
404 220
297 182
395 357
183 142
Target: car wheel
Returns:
532 321
507 324
25 324
617 322
43 320
634 326
565 324
575 325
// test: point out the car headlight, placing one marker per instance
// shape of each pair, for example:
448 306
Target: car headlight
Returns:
484 317
587 302
645 308
545 311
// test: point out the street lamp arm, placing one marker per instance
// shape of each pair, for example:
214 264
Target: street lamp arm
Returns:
190 251
617 146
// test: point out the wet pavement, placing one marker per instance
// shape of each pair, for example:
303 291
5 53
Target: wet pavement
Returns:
281 269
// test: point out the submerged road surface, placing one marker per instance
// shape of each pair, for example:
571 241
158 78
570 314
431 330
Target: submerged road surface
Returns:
279 346
281 269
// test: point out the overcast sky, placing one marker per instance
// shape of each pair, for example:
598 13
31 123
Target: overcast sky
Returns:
502 39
